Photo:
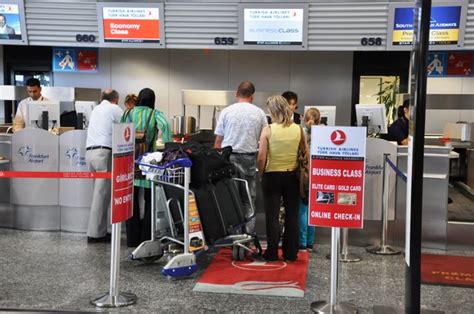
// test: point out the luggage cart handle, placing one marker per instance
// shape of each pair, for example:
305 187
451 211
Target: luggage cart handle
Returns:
182 162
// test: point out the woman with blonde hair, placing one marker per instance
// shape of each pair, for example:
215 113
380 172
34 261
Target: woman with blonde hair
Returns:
277 167
311 117
130 101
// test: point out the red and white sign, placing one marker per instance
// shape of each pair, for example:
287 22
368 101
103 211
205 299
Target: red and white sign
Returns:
131 24
459 63
87 59
337 177
123 149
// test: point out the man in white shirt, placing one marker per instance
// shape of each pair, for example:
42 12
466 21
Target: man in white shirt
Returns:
33 88
240 126
99 158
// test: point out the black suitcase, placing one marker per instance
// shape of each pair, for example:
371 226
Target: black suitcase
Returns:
229 204
213 223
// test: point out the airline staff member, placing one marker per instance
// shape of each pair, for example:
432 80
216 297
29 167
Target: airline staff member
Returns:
33 88
99 158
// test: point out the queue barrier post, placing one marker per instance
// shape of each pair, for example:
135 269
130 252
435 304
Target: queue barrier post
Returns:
346 256
114 298
333 306
383 248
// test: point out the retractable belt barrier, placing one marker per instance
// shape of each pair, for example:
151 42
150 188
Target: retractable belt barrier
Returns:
397 171
55 175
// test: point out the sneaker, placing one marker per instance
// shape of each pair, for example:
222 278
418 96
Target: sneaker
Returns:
309 248
302 248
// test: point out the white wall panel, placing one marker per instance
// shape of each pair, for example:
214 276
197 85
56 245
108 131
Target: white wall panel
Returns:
318 77
321 78
451 85
340 26
195 25
196 69
57 22
469 35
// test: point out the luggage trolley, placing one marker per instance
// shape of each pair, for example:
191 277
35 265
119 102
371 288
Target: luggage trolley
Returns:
177 174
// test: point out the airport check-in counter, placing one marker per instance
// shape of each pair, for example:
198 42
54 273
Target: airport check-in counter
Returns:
45 204
38 203
435 197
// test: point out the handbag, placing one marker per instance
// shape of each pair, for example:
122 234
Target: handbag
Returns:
303 164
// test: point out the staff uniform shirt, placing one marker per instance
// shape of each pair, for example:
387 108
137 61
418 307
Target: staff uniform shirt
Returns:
102 118
241 124
22 111
398 131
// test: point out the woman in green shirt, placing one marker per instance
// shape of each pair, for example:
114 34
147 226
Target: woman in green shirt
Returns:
140 230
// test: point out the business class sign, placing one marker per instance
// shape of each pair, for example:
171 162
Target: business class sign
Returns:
129 24
446 25
336 196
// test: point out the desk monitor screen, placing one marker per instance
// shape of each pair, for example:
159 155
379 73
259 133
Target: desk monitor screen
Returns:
328 114
373 117
85 107
36 117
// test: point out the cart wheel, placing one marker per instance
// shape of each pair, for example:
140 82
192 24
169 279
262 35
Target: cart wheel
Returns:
242 252
235 253
238 253
150 259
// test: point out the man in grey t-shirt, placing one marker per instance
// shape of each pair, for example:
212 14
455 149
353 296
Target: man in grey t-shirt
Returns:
239 126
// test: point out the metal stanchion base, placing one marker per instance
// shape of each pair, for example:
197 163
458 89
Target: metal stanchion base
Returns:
382 250
347 258
326 307
106 300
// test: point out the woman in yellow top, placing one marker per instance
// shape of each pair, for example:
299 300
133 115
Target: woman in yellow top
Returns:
277 167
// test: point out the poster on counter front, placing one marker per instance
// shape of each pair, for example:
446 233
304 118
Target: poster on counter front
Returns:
337 177
123 150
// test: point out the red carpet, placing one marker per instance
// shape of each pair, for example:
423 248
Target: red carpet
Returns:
447 270
254 277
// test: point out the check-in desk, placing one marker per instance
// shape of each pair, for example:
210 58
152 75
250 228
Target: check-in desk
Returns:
435 197
45 204
6 212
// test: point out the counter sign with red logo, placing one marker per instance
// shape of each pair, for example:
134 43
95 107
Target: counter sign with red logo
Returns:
123 149
337 176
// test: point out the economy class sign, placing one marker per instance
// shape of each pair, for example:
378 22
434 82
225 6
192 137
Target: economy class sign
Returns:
131 25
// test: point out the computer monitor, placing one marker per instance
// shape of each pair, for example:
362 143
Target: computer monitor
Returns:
42 114
373 117
84 108
328 114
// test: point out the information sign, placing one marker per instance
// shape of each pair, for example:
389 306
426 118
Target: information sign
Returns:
337 176
123 149
131 24
460 63
75 60
12 22
273 25
446 25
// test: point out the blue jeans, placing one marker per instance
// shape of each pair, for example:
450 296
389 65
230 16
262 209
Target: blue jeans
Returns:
306 232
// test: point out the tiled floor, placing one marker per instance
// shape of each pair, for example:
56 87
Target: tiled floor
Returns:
43 270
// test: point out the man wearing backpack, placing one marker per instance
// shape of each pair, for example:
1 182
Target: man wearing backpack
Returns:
240 126
99 158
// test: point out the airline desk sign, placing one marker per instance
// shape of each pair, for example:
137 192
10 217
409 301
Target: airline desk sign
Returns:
337 176
123 150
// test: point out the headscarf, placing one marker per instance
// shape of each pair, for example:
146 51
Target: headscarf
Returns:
146 97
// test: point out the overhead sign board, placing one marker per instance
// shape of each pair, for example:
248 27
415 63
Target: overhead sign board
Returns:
337 176
12 23
447 25
131 24
273 26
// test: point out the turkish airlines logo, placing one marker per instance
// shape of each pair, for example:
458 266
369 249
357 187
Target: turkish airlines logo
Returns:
126 134
259 266
338 137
